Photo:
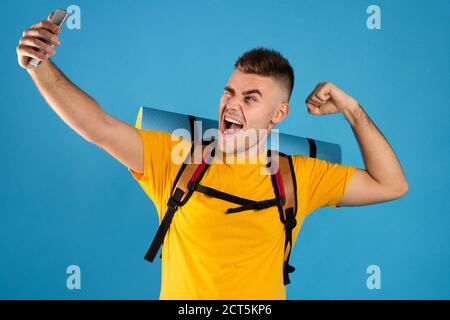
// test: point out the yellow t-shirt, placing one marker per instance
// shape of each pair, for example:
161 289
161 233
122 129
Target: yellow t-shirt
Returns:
208 254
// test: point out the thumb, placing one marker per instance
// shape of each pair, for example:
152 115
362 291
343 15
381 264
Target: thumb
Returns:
50 16
312 109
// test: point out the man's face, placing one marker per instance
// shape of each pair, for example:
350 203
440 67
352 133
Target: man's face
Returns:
250 102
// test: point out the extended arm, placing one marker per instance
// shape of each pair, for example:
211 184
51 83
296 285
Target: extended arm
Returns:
77 109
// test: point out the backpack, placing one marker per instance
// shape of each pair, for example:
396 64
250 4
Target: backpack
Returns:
188 181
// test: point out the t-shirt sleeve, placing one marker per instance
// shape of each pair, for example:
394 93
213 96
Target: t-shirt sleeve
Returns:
320 183
160 165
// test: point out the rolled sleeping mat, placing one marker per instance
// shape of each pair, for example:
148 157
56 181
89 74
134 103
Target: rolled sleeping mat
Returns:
161 120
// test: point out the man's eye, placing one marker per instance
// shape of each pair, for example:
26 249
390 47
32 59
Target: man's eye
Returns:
250 98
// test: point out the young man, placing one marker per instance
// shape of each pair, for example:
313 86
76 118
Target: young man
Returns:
208 254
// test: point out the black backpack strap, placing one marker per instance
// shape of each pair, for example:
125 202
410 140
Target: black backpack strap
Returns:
312 148
246 204
189 172
284 184
172 206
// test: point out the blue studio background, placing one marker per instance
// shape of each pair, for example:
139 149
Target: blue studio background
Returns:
66 202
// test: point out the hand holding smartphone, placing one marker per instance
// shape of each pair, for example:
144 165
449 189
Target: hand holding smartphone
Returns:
58 19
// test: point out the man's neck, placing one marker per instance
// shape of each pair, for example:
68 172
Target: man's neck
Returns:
256 154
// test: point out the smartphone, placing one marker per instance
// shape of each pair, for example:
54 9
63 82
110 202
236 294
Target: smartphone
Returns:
58 18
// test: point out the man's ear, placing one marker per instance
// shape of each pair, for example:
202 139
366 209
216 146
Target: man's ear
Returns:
281 113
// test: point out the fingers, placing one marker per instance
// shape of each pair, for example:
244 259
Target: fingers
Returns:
27 51
53 28
42 34
320 94
316 100
37 44
38 41
318 97
312 108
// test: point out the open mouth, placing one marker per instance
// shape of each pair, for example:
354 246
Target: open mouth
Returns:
231 125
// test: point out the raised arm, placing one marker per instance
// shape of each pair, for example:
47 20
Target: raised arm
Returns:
383 179
76 108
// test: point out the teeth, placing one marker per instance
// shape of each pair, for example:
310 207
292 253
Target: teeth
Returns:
233 121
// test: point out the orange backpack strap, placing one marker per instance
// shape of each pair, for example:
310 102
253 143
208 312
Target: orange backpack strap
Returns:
190 171
284 183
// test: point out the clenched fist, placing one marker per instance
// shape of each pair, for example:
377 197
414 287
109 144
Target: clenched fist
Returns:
327 98
37 42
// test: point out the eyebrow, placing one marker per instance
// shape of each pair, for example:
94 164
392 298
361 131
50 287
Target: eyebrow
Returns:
233 91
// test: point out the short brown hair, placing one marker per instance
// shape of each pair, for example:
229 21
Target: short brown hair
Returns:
267 62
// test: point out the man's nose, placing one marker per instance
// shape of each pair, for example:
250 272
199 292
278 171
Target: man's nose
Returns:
233 104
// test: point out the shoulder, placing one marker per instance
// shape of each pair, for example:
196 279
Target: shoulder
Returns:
303 162
163 137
